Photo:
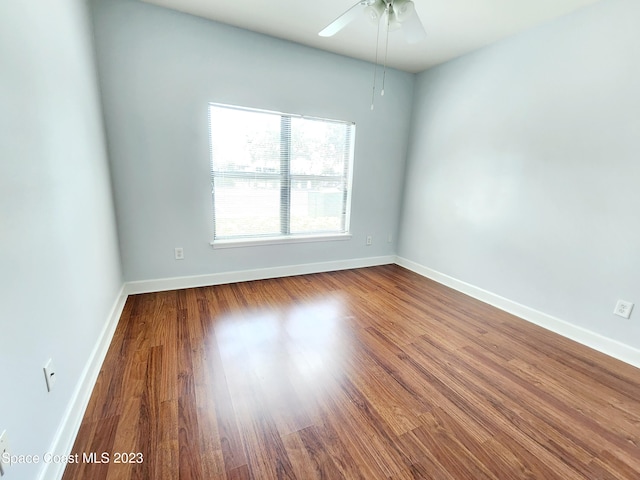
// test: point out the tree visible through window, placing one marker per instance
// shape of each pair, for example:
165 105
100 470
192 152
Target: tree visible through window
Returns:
278 175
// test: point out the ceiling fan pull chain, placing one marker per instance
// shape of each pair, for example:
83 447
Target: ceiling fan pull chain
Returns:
386 48
375 68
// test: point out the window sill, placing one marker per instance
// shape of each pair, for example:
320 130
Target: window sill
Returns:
258 242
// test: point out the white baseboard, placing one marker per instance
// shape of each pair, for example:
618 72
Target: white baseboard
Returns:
70 423
176 283
598 342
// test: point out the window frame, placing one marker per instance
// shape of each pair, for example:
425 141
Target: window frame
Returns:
286 179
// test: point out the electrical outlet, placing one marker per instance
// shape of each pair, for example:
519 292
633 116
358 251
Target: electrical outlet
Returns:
179 253
623 309
369 240
50 374
390 238
4 450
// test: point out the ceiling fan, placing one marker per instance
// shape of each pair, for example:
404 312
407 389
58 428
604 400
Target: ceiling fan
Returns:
394 14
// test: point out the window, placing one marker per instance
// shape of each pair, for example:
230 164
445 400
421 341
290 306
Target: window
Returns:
277 176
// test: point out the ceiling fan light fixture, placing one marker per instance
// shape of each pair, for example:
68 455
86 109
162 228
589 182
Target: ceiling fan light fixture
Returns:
374 12
404 10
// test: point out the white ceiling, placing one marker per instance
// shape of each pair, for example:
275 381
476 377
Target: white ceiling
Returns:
454 27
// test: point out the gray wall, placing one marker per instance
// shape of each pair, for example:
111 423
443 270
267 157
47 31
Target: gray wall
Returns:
158 71
59 265
523 175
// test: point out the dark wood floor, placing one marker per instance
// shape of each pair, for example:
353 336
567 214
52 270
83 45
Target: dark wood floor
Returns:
373 373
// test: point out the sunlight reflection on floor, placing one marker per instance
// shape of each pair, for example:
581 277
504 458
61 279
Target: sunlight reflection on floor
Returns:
293 351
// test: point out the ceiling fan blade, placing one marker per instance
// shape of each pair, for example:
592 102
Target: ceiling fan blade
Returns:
343 20
413 30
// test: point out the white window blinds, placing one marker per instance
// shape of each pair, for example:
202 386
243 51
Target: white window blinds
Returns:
278 175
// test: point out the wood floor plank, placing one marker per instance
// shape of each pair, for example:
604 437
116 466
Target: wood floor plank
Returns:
601 405
465 396
366 374
421 463
449 451
311 460
561 411
102 442
523 462
213 389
